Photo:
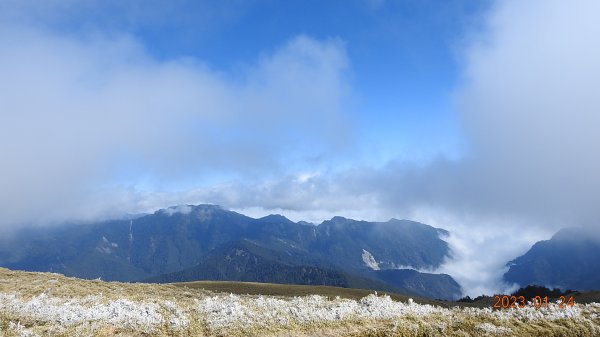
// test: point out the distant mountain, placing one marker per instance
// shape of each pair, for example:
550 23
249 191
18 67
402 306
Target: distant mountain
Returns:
184 241
246 261
569 260
392 244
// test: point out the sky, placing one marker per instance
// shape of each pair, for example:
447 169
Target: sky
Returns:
479 117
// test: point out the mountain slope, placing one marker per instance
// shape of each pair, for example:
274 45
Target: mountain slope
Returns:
392 244
569 260
246 261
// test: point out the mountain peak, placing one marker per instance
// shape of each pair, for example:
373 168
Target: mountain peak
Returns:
275 218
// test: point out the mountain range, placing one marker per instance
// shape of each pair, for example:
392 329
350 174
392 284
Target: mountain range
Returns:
207 242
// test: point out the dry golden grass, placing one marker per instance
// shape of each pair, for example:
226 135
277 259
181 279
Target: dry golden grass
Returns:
272 289
44 304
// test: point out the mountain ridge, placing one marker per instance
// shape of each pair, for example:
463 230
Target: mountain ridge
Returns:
180 237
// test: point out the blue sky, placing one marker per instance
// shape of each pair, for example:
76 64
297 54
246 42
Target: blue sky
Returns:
403 56
480 117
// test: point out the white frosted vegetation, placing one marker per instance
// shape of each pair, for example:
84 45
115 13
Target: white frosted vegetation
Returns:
491 328
67 312
233 310
178 320
20 330
226 310
229 314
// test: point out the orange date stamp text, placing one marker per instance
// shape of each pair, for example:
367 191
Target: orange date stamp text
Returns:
508 302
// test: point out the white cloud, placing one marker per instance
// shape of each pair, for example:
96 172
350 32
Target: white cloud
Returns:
179 209
530 107
481 246
79 112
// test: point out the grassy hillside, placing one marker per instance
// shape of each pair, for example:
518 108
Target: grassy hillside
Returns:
45 304
270 289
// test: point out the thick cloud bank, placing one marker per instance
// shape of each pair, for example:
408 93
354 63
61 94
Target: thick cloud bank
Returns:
79 112
531 108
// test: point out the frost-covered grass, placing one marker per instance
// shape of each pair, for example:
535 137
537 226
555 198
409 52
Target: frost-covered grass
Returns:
44 304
